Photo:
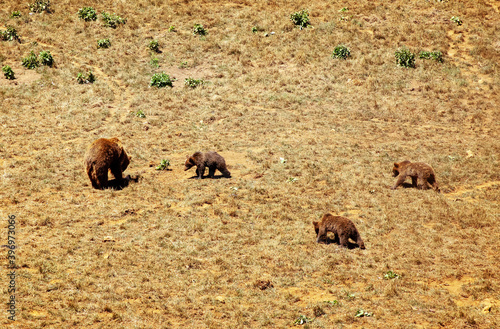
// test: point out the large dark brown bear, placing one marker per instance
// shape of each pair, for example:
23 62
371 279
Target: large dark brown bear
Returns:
212 160
342 227
422 175
103 155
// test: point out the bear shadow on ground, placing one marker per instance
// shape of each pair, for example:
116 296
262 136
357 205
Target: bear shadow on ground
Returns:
208 177
350 245
407 185
116 184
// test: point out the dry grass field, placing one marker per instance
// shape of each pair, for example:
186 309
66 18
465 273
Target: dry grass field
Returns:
302 133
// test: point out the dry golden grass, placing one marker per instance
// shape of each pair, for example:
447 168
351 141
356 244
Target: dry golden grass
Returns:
171 251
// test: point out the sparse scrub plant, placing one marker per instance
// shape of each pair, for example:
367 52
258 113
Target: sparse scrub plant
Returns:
341 52
10 34
112 20
164 164
45 58
154 62
172 29
83 78
456 20
140 114
103 43
161 80
193 83
362 313
434 55
15 14
87 14
404 57
7 71
31 61
198 29
302 319
154 46
300 19
39 5
391 275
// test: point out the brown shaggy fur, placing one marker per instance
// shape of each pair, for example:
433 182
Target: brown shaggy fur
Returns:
422 175
103 155
212 160
342 227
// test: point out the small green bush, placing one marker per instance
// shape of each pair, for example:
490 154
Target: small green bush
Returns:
10 34
172 29
112 20
103 43
341 52
15 14
457 20
39 5
164 164
193 83
154 46
31 61
391 275
161 80
85 78
45 58
435 55
300 19
140 114
404 57
87 14
7 71
154 62
198 29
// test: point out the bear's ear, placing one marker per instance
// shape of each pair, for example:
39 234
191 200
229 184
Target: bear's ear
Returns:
396 164
315 224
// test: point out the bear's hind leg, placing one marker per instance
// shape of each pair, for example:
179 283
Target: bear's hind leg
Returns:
211 171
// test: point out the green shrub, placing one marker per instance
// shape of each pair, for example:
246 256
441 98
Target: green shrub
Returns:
300 19
193 83
161 80
31 61
456 20
15 14
140 114
435 55
112 20
198 29
341 52
85 78
172 29
154 46
164 164
45 58
391 275
39 5
7 71
404 57
87 14
103 43
10 34
154 62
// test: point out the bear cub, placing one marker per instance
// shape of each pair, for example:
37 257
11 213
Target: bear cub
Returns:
422 175
103 155
212 160
342 227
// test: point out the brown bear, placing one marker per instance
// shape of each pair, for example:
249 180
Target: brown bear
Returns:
212 160
103 155
422 175
342 227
